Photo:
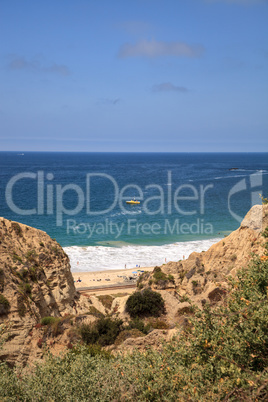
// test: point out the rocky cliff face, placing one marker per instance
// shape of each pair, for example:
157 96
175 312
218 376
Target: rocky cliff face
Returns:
202 277
35 281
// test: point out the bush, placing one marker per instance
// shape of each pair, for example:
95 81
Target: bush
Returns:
49 320
104 331
161 278
137 323
91 351
4 304
145 303
157 324
53 325
159 275
128 333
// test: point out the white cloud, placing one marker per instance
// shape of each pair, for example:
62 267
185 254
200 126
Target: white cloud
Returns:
20 63
154 48
167 87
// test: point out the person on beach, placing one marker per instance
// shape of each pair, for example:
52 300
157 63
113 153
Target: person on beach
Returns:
125 266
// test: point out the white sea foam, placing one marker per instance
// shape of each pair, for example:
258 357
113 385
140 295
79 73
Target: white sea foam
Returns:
97 258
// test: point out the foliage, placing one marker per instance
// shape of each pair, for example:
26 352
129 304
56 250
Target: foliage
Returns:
161 277
138 324
4 302
16 257
265 233
103 331
264 200
145 303
21 306
106 300
49 320
155 323
17 228
222 356
128 333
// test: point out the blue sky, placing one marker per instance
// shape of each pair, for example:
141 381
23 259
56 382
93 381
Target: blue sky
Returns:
135 75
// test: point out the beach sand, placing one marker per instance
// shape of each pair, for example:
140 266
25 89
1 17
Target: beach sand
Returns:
106 278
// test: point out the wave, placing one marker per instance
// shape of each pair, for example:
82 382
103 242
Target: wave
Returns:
97 258
257 172
127 212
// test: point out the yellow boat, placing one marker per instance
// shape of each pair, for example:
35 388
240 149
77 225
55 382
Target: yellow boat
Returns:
133 202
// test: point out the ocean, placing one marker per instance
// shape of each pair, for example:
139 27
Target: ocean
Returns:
188 201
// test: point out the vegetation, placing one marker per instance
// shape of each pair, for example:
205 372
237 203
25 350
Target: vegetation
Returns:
4 302
160 277
145 303
264 200
49 320
106 300
103 331
221 356
17 228
138 324
2 280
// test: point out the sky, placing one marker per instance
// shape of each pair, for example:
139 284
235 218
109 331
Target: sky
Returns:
134 76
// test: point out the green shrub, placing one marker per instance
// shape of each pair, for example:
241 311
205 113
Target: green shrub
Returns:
17 228
2 280
128 333
157 324
159 275
49 320
91 351
104 331
54 326
137 323
21 306
16 257
31 255
26 288
145 303
4 302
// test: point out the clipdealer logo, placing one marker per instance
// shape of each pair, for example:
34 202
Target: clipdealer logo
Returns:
50 196
185 200
252 189
133 227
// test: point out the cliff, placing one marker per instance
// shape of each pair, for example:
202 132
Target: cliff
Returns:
202 278
35 281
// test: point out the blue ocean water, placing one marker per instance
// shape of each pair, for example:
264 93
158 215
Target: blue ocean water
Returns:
187 201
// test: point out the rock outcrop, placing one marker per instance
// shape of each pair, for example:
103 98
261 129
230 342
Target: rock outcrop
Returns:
202 278
35 281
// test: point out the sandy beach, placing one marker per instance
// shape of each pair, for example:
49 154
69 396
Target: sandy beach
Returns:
106 278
